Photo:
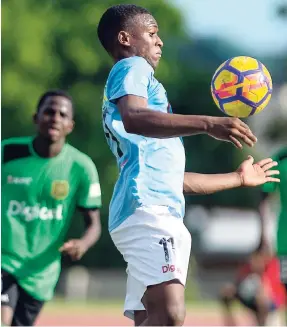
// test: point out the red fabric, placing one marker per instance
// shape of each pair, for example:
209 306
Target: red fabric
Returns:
270 279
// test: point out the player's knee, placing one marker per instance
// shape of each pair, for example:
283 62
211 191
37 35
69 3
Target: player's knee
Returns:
172 315
175 315
165 304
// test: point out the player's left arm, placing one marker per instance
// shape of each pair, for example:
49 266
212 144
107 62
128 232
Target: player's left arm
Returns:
89 203
248 174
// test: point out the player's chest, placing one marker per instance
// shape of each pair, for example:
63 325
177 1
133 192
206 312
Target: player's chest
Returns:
38 181
157 97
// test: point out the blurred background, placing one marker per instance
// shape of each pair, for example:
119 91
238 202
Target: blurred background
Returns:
53 44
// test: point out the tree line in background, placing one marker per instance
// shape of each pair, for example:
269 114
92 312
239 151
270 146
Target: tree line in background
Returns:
53 44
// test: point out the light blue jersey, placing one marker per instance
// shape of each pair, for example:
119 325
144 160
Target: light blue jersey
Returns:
151 170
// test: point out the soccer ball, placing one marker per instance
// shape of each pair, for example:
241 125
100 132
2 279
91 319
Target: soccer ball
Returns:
241 86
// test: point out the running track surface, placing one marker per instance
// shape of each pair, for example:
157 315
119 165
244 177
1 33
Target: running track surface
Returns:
115 318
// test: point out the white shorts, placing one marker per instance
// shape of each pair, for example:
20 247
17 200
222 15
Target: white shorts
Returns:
156 247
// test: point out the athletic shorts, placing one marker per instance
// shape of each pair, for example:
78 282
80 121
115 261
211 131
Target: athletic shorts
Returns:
156 246
26 308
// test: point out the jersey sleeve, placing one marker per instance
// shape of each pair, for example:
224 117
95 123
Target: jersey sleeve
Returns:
129 77
3 145
89 193
2 151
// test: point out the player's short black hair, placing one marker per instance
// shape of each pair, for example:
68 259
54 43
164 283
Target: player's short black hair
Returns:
114 20
51 93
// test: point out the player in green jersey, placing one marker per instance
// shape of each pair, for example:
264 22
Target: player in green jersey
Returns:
44 180
281 240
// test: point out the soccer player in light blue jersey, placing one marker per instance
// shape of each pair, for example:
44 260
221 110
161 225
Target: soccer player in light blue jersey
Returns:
147 207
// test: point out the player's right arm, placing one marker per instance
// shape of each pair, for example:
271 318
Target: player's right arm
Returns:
128 87
138 119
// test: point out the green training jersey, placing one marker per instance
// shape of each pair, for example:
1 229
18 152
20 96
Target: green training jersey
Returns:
281 158
39 197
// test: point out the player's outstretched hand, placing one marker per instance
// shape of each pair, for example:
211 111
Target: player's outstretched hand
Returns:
254 174
232 130
75 248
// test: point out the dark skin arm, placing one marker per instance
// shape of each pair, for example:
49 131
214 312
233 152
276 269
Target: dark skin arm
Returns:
138 119
209 183
263 213
248 174
76 248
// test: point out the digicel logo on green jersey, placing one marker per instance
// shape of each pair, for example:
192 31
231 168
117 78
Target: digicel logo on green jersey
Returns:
33 212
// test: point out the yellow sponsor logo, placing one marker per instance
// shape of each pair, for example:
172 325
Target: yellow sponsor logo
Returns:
60 190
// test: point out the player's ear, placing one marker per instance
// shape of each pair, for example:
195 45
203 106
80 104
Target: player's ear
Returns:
71 126
124 38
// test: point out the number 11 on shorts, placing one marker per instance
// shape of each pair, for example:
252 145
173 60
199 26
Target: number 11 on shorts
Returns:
164 242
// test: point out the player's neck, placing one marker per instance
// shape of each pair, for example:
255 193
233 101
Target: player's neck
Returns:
123 54
47 149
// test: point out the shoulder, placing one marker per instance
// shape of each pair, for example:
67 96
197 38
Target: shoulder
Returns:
131 63
282 154
80 159
15 148
16 141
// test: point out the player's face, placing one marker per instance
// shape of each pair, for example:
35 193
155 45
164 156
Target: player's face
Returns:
145 40
55 118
